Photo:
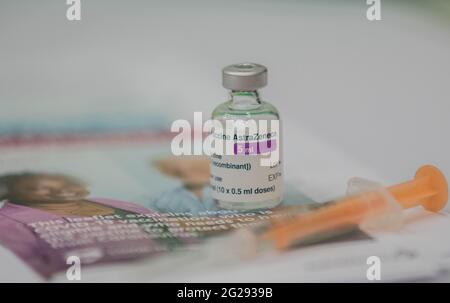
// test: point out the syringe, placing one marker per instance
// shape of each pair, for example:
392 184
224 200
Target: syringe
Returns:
429 188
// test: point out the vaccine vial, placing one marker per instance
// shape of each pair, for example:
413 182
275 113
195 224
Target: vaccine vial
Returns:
248 175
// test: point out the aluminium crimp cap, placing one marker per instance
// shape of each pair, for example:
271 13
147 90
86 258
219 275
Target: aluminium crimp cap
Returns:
244 76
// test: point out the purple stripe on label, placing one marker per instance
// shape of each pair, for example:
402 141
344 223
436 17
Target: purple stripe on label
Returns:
255 148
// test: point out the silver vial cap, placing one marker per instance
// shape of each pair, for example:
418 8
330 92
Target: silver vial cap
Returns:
244 76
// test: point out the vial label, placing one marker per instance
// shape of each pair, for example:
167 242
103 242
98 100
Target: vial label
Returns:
240 177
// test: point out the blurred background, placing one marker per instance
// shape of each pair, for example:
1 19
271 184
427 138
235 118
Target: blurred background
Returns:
357 97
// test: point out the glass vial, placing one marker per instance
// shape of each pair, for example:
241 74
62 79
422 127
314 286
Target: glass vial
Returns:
240 178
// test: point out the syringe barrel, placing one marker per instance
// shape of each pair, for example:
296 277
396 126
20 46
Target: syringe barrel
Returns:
429 188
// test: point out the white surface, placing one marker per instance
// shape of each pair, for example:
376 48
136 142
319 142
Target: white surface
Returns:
376 91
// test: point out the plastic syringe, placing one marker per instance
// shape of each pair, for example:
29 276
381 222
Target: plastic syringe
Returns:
429 188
